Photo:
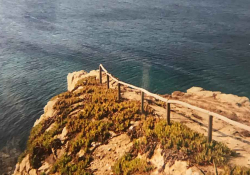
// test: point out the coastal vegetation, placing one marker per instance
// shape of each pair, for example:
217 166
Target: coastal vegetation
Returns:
91 112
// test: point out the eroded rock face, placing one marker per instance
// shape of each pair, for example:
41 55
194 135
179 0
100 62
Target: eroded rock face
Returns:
24 167
48 111
225 98
232 106
73 77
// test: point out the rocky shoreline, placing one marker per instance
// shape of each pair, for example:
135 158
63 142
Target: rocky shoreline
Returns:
234 107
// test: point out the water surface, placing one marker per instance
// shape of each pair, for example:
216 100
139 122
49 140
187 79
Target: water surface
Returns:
162 45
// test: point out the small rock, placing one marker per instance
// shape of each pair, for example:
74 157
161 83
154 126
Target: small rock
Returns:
64 134
81 153
131 128
113 134
94 144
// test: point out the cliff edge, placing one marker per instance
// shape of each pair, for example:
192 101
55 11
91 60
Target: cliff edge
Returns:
86 130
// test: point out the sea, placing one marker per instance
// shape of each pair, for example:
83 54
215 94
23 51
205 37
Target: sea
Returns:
160 45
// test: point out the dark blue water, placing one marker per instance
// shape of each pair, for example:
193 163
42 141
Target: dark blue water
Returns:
161 45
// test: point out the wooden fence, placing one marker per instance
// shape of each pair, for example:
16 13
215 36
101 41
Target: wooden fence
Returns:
168 102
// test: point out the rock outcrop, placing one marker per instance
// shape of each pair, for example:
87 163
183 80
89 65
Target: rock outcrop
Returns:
234 107
74 77
106 153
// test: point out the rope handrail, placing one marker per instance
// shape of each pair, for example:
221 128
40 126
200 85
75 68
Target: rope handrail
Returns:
234 123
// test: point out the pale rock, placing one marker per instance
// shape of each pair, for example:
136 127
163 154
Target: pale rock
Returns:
73 78
17 168
132 122
94 144
179 168
23 163
27 166
230 98
194 90
67 145
81 153
131 128
201 92
63 135
157 159
48 111
112 134
189 171
45 167
32 172
225 98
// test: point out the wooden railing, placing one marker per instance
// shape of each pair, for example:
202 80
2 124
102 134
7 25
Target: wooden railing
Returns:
168 102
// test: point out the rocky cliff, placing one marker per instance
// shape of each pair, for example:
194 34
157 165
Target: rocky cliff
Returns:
86 130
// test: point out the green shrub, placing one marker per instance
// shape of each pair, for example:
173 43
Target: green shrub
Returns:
127 165
90 112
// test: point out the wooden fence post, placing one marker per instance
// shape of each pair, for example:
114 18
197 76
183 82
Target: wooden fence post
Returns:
142 100
107 81
168 113
100 74
210 128
119 91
